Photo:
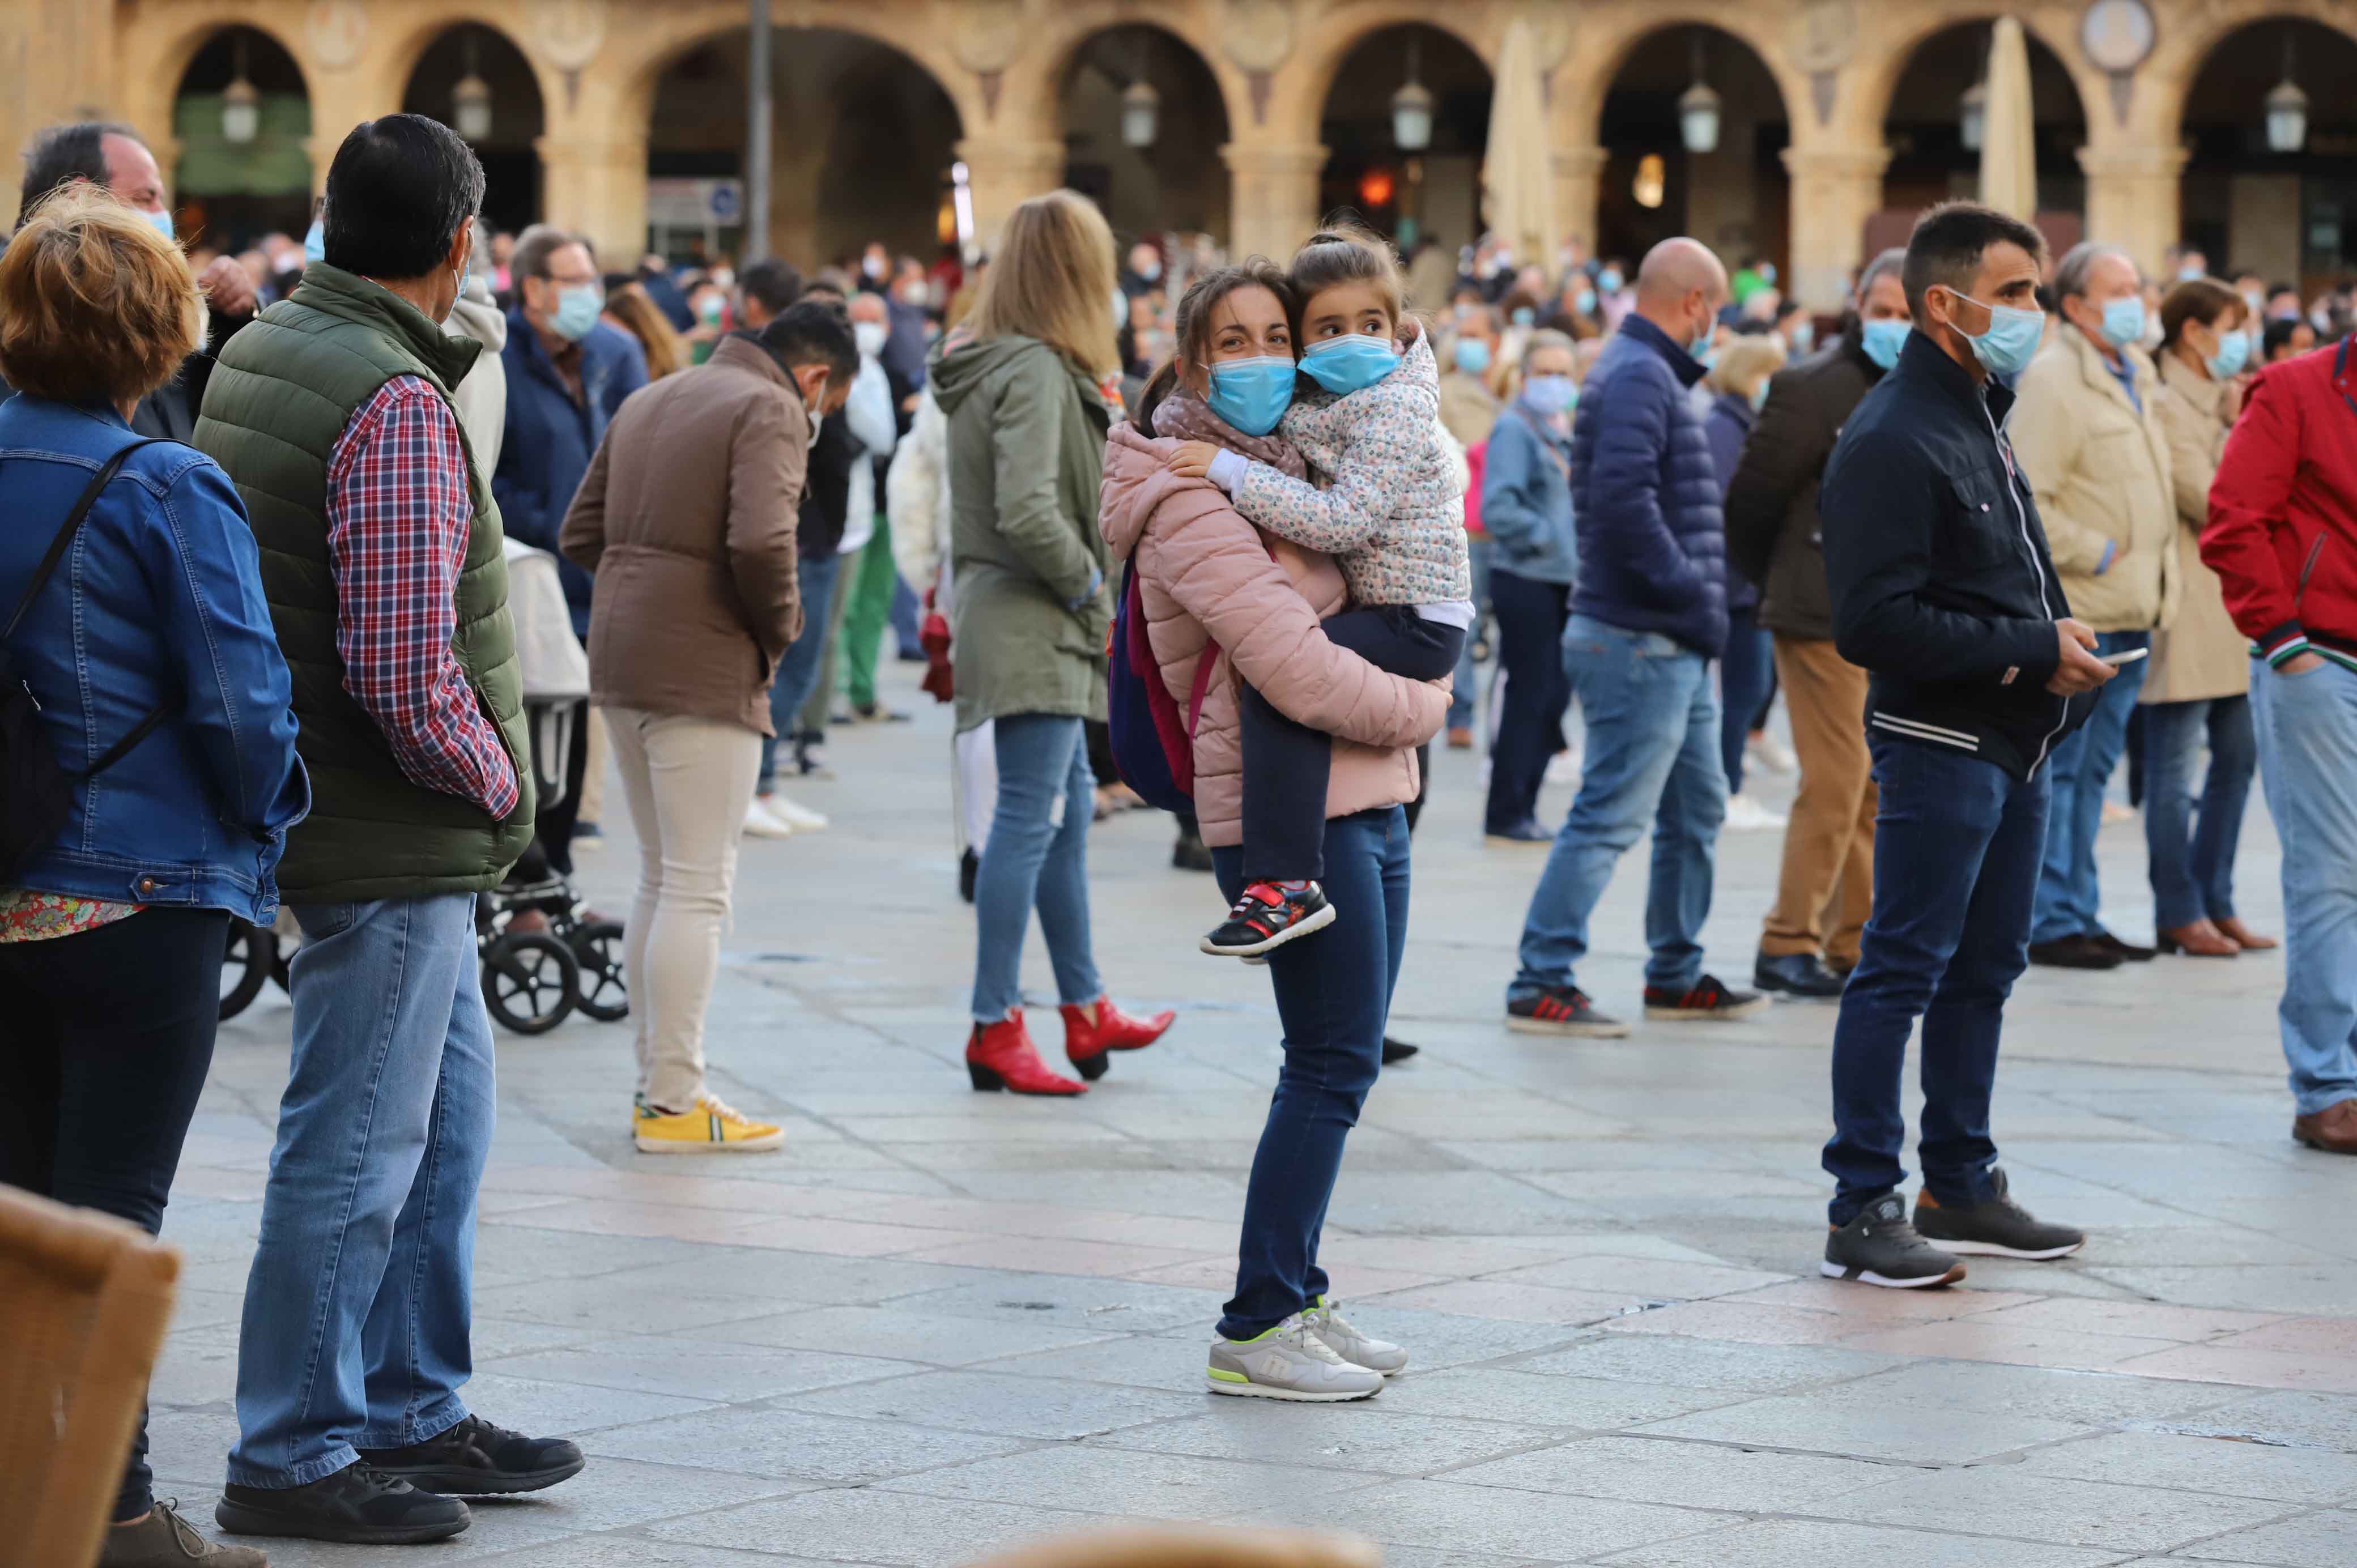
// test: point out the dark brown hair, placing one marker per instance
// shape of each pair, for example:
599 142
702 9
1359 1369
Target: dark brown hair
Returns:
2196 299
1344 252
94 304
1192 326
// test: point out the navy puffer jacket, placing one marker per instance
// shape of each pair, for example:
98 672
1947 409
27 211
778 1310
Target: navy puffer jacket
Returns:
1652 547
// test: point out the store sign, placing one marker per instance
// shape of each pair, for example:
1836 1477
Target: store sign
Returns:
694 203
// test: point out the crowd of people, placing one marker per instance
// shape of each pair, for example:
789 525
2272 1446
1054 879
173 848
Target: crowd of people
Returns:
1229 537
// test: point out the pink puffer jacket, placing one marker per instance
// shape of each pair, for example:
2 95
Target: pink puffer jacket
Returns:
1206 575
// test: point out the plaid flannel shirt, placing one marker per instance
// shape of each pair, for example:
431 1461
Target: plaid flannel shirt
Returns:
399 512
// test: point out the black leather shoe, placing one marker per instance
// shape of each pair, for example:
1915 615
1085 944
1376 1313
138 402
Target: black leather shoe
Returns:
475 1458
1797 974
2126 953
1397 1050
1189 853
1527 831
359 1505
2073 953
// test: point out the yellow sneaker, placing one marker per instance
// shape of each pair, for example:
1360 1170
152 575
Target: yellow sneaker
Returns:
712 1128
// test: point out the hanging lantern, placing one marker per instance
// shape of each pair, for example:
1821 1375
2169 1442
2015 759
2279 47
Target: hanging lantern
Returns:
1972 109
1141 114
471 101
1412 107
2287 110
1699 109
241 106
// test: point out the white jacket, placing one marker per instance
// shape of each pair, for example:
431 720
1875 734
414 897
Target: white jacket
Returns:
873 426
917 500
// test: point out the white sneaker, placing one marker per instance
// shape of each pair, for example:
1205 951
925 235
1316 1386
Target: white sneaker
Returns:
1746 815
761 825
1562 767
798 817
1289 1363
1771 754
1361 1349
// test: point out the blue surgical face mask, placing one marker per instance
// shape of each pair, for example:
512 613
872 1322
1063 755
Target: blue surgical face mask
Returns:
576 312
1472 355
1760 397
1767 272
2123 320
2011 340
1704 348
2187 275
1587 302
1883 339
2233 353
1525 316
2258 305
1251 395
162 222
1804 337
1345 365
315 244
1551 394
1609 280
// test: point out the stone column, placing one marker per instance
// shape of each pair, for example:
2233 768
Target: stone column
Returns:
2133 198
1273 197
598 188
1834 190
1579 176
1004 172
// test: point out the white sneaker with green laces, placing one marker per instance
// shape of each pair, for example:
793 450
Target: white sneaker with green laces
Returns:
1289 1361
1359 1348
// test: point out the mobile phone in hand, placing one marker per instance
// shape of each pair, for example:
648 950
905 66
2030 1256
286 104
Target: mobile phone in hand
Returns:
2124 656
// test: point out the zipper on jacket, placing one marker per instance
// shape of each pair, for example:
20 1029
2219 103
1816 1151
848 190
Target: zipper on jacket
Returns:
2306 571
2021 517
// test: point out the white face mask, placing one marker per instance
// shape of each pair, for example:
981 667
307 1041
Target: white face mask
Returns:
1120 309
871 335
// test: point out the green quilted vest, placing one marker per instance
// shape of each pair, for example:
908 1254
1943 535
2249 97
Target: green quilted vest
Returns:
281 394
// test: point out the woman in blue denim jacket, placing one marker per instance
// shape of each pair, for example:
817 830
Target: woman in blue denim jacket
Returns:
112 935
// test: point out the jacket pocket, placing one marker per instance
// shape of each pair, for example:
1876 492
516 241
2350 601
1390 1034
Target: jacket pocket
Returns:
1981 522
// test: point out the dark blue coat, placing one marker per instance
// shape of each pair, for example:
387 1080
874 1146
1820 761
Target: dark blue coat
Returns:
1726 427
550 438
1653 548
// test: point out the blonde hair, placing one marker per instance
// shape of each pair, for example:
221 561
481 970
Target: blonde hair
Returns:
637 315
1052 278
94 304
1746 362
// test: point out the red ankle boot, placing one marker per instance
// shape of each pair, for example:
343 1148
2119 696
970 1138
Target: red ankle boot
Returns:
1001 1056
1093 1032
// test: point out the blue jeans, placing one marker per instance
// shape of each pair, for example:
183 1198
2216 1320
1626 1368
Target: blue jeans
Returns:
798 668
1956 847
358 1306
2193 869
1746 678
2307 758
1528 726
1333 996
1653 755
1037 856
1460 697
2068 896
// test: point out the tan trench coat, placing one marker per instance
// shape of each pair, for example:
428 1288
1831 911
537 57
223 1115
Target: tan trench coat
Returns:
2201 655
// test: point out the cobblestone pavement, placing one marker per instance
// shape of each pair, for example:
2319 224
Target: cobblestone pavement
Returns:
939 1322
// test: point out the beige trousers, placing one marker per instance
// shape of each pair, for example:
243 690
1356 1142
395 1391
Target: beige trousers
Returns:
1827 889
687 782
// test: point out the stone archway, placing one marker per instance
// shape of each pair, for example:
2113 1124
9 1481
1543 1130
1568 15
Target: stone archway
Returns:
1171 182
1415 195
470 53
2288 216
238 159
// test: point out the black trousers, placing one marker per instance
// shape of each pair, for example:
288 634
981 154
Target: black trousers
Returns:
1531 617
104 1041
551 832
1286 764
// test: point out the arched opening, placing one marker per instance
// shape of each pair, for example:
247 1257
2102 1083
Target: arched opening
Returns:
862 143
2271 185
1150 157
1693 133
476 81
241 116
1423 186
1935 147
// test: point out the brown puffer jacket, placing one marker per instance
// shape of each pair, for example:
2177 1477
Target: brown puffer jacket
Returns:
1207 575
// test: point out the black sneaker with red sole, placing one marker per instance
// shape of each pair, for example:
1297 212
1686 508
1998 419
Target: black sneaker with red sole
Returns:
1707 998
1266 918
1561 1010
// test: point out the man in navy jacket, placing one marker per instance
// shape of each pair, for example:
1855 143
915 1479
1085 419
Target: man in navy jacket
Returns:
1944 592
1647 618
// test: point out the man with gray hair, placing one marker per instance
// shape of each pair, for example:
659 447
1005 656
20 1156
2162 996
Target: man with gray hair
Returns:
1809 941
2089 434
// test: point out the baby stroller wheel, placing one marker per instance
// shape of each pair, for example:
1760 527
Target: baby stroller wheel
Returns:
252 955
599 949
529 982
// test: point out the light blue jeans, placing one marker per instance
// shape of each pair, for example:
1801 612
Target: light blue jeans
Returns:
1037 857
1651 711
2070 898
358 1306
2193 858
798 667
2307 760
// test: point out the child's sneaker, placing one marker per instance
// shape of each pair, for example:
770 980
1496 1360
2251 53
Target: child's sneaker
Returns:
1267 917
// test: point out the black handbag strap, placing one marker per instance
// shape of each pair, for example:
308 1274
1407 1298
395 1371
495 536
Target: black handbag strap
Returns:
56 552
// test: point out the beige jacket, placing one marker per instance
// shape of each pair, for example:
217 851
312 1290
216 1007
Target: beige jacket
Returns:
2201 656
2101 472
1207 575
687 518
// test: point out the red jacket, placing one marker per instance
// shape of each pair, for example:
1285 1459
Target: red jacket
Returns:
2282 534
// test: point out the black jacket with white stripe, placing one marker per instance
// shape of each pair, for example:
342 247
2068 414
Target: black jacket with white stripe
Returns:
1942 588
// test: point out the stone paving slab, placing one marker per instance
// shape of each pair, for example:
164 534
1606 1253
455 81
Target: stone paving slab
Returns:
939 1323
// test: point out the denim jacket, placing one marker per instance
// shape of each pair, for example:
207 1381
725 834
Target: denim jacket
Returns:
158 600
1526 498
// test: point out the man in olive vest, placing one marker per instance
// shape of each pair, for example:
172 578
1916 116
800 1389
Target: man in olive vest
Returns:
381 559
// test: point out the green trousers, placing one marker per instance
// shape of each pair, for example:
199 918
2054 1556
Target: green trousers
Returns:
869 593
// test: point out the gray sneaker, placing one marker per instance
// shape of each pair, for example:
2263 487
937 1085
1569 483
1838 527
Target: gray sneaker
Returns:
1354 1346
1289 1363
1880 1248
